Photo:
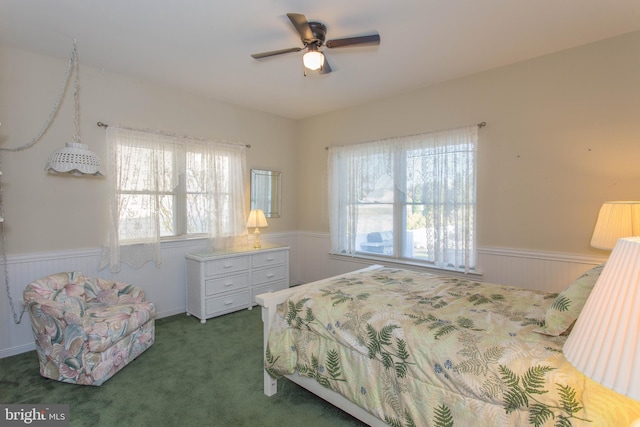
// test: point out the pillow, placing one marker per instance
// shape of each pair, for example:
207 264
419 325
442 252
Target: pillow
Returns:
566 307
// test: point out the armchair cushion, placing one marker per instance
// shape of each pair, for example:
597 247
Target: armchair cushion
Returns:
106 324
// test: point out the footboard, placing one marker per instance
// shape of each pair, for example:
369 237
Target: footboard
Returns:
269 303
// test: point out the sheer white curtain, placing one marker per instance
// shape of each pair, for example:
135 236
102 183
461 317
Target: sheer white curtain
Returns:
449 195
353 172
434 172
224 173
145 170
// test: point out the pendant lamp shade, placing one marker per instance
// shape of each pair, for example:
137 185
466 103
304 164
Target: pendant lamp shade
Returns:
75 158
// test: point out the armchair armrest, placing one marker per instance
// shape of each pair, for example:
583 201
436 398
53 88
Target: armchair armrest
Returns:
56 326
50 311
36 303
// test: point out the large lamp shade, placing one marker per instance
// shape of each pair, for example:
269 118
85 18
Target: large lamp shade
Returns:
605 341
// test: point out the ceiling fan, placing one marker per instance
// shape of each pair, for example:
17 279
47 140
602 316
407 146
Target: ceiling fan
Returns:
313 36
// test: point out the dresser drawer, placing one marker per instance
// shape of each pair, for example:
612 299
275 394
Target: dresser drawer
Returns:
268 258
231 302
266 275
271 287
226 284
226 266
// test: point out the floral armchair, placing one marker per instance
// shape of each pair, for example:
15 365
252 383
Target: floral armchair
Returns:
87 329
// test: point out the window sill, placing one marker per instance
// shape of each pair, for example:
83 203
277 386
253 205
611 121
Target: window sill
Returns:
404 263
171 241
184 237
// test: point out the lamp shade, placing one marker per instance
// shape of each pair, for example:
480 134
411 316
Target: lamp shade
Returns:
313 60
616 220
605 341
75 158
256 219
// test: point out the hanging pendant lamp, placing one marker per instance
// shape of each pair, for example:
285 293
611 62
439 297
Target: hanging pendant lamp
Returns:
75 158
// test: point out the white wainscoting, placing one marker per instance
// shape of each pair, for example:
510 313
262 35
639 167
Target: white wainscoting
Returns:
309 261
545 271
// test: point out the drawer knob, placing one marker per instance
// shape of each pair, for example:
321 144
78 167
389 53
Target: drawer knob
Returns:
228 265
228 303
228 284
270 258
270 275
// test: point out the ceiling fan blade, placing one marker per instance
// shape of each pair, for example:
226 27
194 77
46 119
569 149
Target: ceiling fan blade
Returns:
373 39
302 26
326 68
275 52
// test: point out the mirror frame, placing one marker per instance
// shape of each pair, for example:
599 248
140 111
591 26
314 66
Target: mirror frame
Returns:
266 192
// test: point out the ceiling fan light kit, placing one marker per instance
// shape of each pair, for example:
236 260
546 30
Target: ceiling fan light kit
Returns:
312 35
313 60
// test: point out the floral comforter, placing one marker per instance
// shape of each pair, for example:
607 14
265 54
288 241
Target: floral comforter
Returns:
416 349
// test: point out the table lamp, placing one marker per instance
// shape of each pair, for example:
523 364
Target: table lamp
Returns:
616 220
256 220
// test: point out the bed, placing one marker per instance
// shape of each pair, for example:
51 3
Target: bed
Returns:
405 348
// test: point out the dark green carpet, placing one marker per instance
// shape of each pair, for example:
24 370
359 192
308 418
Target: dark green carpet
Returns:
194 375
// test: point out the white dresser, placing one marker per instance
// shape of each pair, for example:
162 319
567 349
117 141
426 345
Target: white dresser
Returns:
226 281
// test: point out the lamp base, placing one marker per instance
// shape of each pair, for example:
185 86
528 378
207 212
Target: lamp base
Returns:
256 240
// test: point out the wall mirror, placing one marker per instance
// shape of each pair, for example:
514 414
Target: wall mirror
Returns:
266 188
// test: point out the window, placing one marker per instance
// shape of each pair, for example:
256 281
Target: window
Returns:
141 193
409 198
165 186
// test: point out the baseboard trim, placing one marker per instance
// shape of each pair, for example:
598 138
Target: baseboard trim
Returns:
12 351
172 312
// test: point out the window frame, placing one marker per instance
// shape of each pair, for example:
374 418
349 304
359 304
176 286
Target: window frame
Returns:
178 194
401 206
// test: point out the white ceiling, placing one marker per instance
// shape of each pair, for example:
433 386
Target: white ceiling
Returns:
204 46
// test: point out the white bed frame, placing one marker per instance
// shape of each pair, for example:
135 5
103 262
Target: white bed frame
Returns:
269 303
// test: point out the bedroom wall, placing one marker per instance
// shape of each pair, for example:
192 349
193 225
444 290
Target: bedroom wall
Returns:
43 211
562 137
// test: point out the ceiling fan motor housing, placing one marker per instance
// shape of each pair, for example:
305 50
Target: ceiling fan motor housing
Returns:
319 32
